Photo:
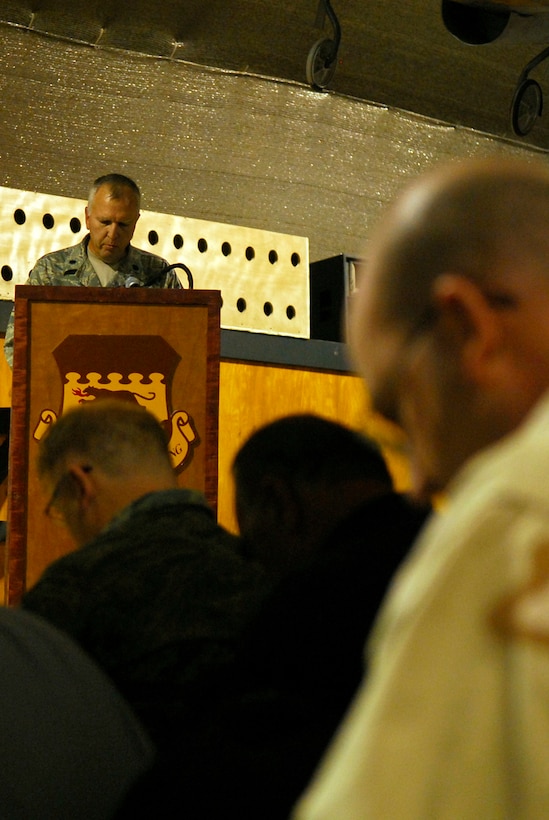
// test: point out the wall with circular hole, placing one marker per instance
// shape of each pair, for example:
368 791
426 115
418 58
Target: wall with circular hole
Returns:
263 276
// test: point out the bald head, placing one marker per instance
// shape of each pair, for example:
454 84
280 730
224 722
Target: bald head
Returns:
477 218
450 323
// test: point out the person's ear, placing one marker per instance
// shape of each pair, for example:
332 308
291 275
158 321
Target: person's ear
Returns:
84 482
271 509
469 322
280 503
87 216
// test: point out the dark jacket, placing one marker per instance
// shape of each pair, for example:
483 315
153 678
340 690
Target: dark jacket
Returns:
159 599
299 664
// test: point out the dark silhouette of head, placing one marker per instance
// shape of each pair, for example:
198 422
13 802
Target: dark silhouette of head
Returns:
295 479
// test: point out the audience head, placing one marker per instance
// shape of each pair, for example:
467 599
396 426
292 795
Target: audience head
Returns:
71 745
99 457
450 323
111 216
295 479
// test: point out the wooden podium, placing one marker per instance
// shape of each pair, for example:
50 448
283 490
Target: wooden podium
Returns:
156 347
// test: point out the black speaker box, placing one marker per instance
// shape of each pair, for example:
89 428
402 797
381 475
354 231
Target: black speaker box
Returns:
331 281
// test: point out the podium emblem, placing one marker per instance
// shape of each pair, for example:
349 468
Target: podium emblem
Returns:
138 369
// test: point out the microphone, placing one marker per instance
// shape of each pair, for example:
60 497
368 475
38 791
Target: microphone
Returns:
132 282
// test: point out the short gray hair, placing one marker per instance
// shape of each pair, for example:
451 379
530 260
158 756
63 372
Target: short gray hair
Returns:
118 183
109 432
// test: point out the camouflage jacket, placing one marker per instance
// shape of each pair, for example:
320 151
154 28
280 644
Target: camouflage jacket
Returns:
71 266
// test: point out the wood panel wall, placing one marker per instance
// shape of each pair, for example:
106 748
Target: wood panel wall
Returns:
253 394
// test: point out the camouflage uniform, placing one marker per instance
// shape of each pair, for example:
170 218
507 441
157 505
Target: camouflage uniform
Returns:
71 266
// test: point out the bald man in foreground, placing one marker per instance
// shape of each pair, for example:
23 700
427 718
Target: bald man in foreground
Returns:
450 329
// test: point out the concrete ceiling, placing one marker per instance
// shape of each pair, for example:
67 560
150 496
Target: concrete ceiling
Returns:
398 53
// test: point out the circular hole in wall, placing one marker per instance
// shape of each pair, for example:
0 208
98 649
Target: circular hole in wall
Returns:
226 249
19 216
48 221
273 257
202 245
241 305
249 253
7 273
290 312
267 308
75 225
178 241
295 259
153 238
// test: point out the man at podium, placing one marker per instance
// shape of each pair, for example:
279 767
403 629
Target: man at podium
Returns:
105 256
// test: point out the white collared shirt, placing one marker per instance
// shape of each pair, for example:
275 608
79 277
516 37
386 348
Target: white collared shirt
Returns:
452 722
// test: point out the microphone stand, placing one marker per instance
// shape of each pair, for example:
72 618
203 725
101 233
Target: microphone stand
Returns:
134 282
